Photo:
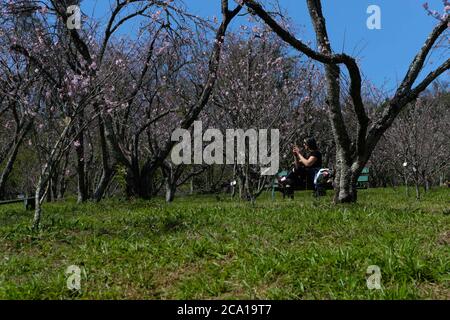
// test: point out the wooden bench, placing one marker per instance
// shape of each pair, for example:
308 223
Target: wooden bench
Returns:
29 203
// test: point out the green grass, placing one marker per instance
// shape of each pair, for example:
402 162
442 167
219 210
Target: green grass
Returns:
209 248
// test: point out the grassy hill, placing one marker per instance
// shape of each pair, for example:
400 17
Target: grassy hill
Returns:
217 248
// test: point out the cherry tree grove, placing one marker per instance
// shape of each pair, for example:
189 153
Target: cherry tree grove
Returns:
90 111
352 153
79 71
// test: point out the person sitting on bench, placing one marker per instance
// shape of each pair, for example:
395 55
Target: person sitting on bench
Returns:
305 167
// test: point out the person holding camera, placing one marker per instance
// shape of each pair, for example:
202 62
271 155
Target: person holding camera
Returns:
305 166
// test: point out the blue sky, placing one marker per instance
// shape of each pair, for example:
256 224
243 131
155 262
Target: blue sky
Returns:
384 54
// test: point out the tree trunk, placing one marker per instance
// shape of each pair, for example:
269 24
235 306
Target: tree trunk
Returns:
102 186
49 190
170 190
346 180
54 188
7 170
417 191
12 159
81 169
139 182
37 198
107 171
62 187
44 174
133 188
426 183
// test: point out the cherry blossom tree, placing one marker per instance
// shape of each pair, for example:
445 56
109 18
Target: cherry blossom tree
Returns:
417 143
260 87
352 154
87 74
161 94
16 110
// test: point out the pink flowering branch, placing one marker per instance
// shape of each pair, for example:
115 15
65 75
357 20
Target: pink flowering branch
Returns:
436 14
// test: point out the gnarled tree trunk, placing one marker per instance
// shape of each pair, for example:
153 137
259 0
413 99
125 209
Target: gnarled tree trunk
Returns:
12 157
